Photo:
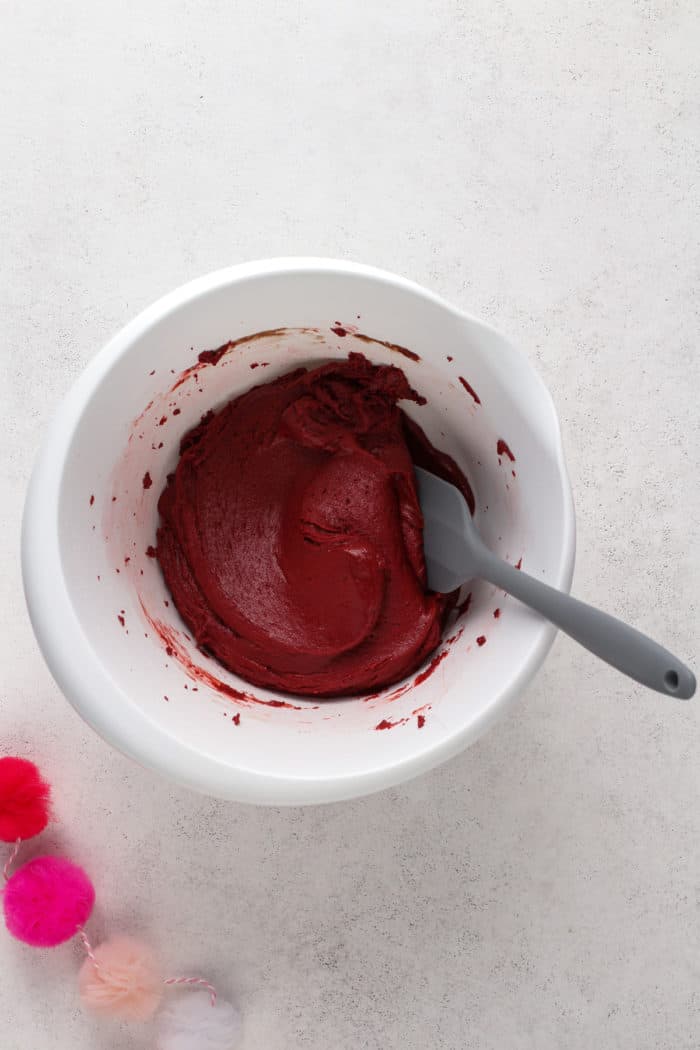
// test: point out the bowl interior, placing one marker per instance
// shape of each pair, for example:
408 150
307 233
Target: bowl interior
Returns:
148 689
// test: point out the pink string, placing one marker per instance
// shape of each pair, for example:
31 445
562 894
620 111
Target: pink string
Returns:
194 980
88 947
169 980
10 860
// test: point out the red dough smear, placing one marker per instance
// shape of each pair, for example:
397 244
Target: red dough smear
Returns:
291 536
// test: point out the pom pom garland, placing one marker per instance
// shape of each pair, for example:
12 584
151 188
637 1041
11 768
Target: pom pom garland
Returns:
190 1022
120 979
46 900
24 800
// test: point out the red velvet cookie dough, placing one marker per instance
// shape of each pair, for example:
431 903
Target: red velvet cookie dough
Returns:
291 536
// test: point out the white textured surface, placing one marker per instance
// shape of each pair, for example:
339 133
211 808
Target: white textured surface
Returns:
536 163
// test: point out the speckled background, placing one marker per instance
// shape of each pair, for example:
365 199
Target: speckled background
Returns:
537 163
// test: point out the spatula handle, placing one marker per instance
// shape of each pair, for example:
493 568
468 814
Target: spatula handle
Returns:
616 642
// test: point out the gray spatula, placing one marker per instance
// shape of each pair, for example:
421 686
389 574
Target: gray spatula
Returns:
455 553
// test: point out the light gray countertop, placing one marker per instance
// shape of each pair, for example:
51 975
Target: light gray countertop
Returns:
537 164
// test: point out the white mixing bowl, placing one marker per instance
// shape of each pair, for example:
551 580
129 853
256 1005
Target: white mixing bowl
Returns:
100 610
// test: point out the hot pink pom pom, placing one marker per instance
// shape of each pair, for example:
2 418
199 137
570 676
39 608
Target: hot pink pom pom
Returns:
46 900
125 983
24 800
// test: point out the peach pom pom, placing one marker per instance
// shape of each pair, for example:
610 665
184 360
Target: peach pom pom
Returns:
122 981
46 900
24 800
192 1023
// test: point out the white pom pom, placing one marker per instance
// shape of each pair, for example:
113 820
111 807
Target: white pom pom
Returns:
190 1022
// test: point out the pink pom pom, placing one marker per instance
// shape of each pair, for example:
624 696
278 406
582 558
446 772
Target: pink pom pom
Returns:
121 979
24 800
46 901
